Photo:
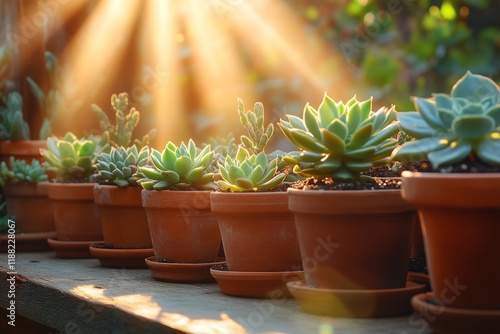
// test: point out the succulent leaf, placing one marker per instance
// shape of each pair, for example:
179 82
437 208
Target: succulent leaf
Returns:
469 119
182 166
353 139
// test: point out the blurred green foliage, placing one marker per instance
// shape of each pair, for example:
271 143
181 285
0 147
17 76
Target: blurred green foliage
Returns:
401 48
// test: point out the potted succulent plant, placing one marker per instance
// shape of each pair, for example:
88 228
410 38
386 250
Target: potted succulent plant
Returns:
257 229
25 186
127 241
15 132
176 196
459 135
354 231
70 164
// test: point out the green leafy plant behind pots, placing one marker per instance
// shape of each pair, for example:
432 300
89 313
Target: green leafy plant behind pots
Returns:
21 171
121 133
13 126
449 128
120 166
340 140
72 159
253 121
182 166
52 102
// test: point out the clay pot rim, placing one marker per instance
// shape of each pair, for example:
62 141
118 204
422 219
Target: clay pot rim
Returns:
22 147
453 176
71 191
26 189
117 196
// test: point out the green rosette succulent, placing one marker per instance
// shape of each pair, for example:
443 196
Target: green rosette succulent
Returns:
249 172
183 166
120 166
340 141
72 159
448 128
21 171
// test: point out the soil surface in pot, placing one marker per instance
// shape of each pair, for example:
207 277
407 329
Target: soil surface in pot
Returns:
418 265
329 184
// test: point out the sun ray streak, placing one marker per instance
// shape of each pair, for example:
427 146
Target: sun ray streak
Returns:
91 56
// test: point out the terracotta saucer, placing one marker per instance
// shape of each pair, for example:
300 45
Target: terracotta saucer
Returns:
71 249
355 303
420 278
448 320
28 242
254 284
181 272
121 257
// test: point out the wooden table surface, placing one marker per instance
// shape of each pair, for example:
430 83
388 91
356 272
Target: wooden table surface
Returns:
81 296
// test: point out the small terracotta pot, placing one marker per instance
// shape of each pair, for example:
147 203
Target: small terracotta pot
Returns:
182 227
27 150
460 217
258 231
353 239
123 219
76 216
21 196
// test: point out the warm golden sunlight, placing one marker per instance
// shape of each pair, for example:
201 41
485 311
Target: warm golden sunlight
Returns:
185 65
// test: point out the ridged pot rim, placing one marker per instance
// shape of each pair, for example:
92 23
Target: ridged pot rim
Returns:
71 191
175 199
22 147
26 189
376 201
112 195
471 190
259 202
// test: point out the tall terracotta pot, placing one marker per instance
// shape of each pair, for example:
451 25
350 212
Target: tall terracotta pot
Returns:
76 216
123 219
353 239
22 150
258 231
460 217
30 205
182 227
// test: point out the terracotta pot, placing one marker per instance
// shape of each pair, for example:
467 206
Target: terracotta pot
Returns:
76 216
353 239
182 227
123 219
22 150
21 196
417 245
258 231
460 217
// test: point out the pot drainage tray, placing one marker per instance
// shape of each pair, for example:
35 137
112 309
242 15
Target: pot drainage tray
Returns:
71 249
120 257
181 272
449 320
254 284
347 303
28 242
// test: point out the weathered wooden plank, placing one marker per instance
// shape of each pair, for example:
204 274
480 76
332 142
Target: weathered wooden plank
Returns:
80 296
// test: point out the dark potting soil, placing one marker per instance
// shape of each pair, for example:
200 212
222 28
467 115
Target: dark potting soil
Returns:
329 184
222 267
418 265
164 260
102 246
